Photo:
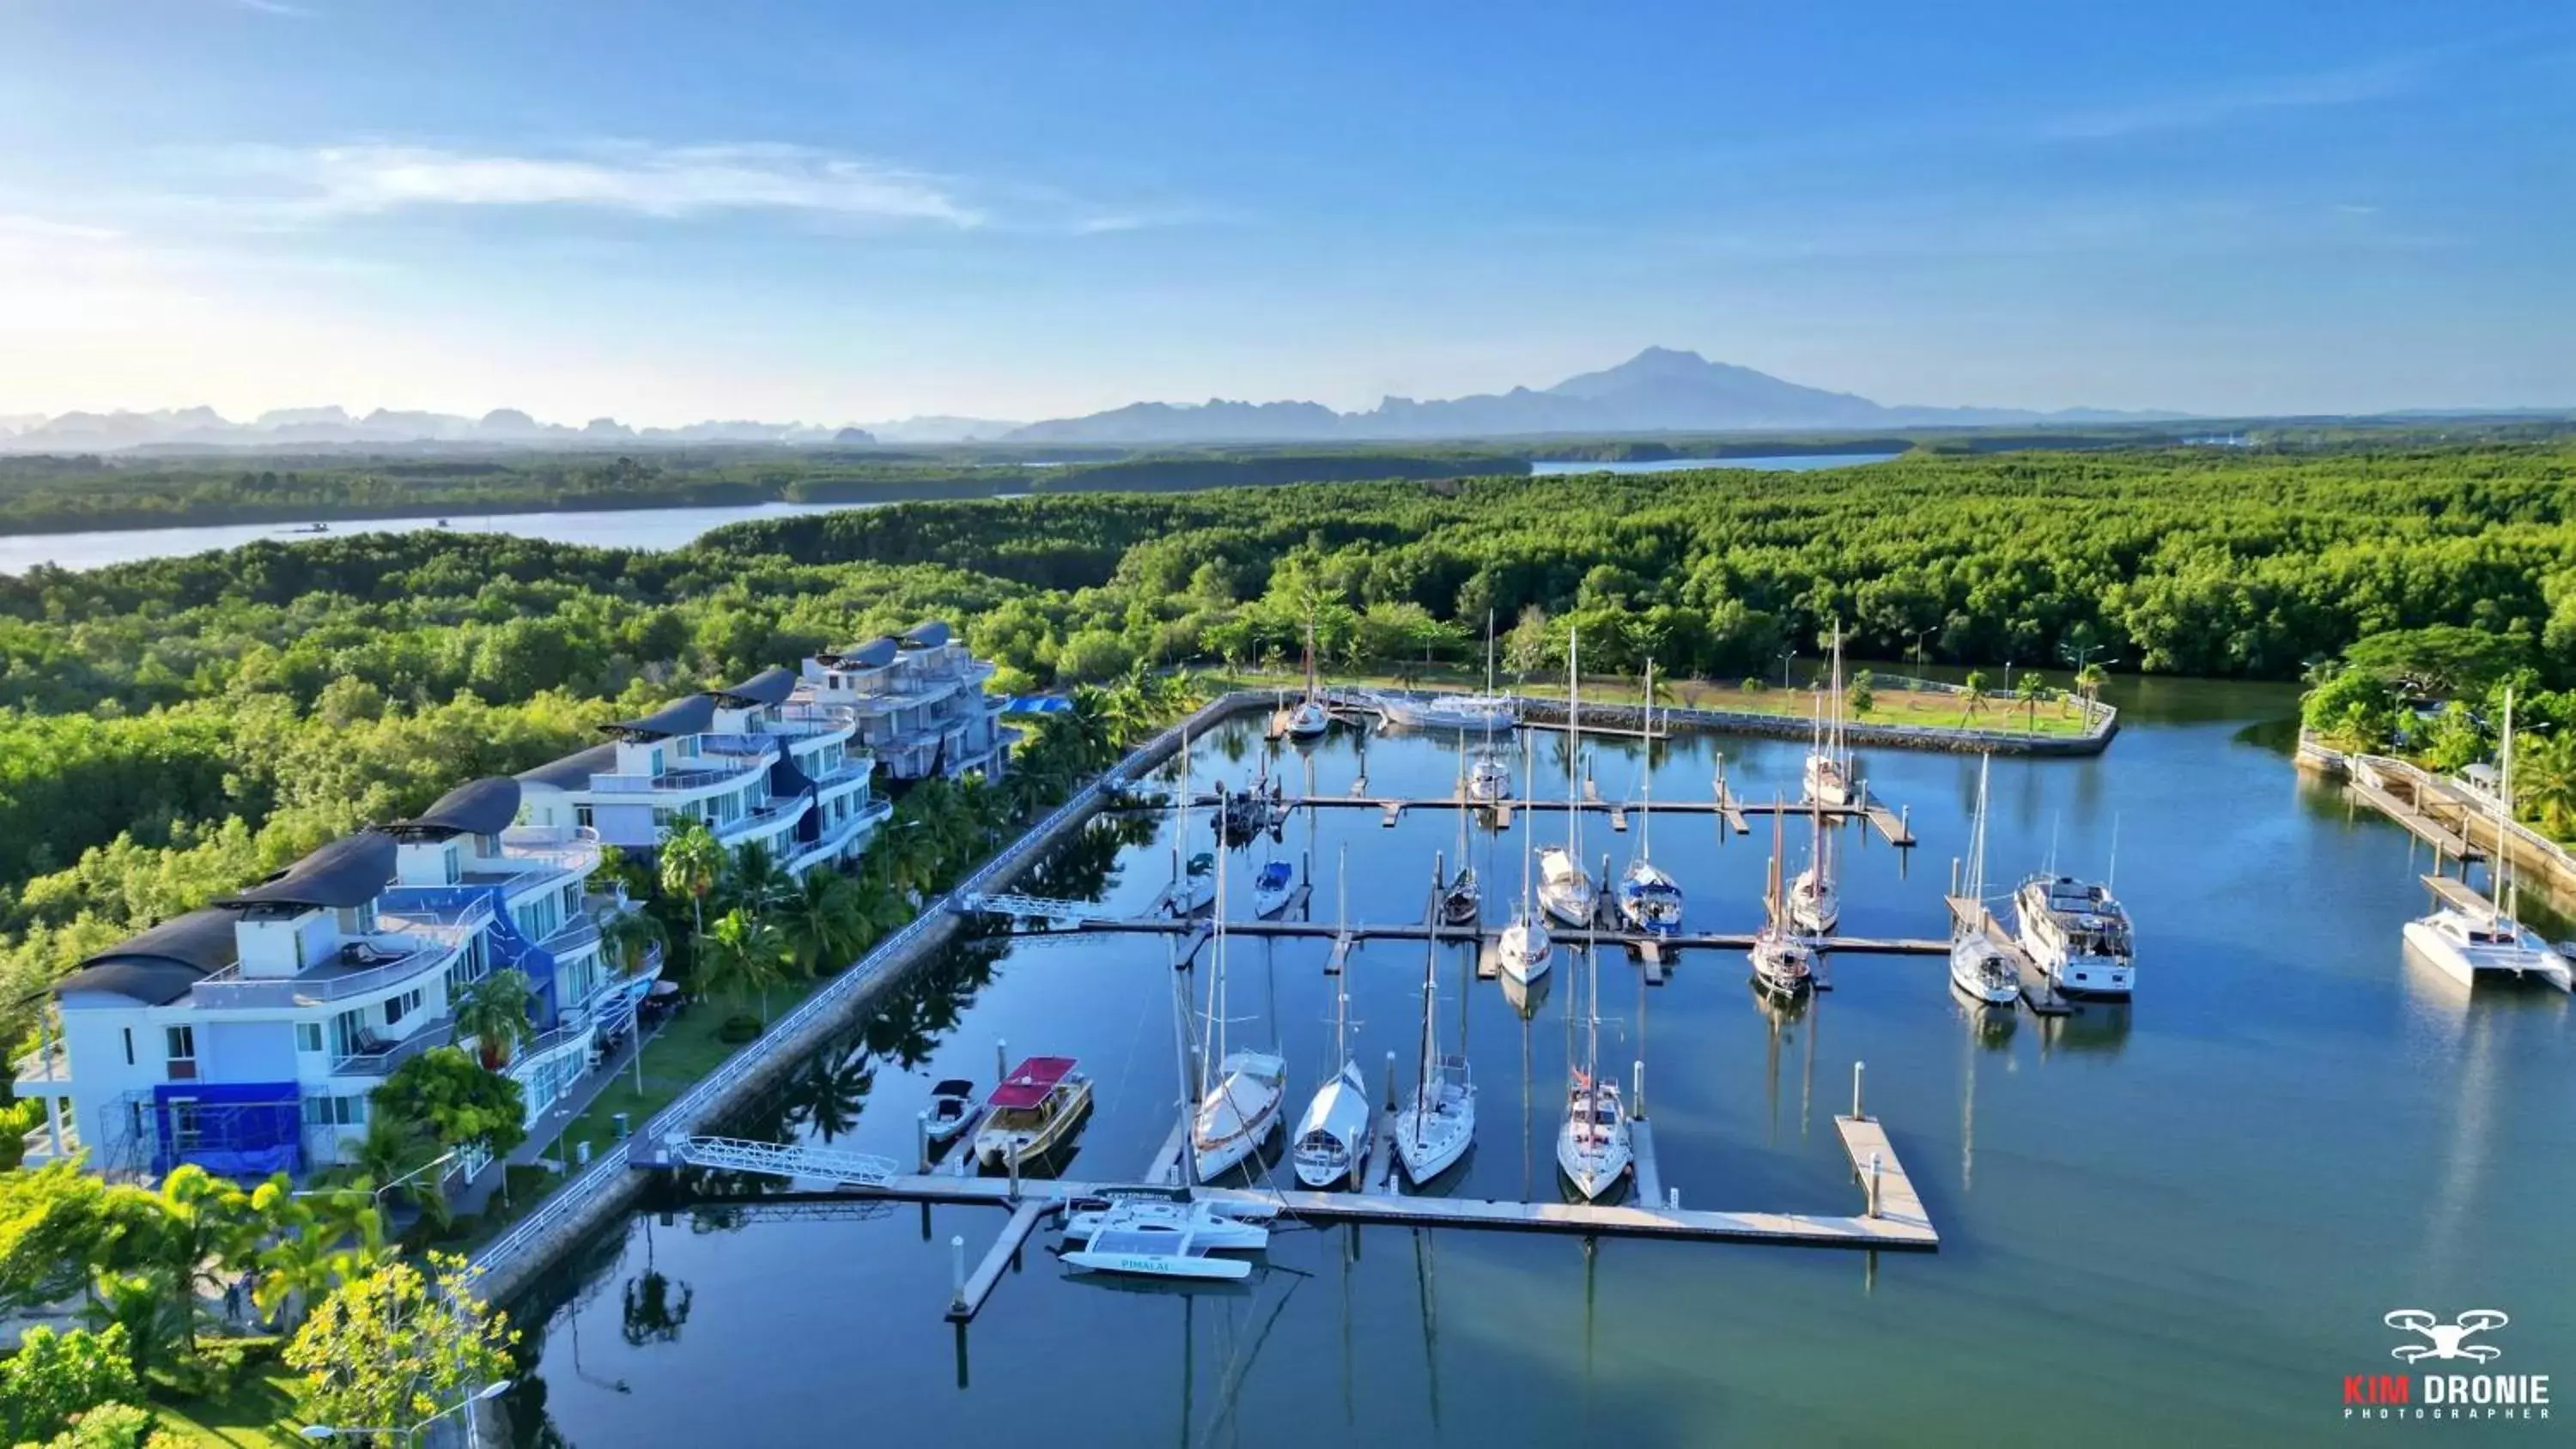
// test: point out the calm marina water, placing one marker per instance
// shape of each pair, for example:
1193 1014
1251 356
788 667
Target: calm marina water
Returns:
2182 1221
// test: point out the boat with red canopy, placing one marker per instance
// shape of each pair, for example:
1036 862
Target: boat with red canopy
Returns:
1032 1110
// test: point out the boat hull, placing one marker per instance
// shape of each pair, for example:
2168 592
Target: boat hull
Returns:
1158 1265
1594 1161
1429 1144
1815 908
2468 965
998 1146
1523 954
1239 1113
1331 1144
1266 905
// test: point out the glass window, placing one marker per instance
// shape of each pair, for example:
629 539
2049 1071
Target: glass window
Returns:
308 1036
182 1041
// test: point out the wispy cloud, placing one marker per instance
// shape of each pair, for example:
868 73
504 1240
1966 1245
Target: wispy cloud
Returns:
2353 85
275 7
666 182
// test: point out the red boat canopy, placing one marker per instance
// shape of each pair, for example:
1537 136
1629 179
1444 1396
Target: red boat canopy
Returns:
1030 1081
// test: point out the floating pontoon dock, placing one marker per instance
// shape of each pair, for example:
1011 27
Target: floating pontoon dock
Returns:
1894 825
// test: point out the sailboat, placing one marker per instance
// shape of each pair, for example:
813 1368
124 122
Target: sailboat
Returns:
1236 1115
1592 1146
1980 965
1461 899
1432 1131
1828 771
1783 963
1524 950
1490 777
1332 1140
1309 717
1815 907
2467 944
1193 887
1564 887
1649 899
1463 712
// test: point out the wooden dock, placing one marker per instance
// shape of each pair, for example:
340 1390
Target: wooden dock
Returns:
978 1286
2460 896
1892 825
1864 1140
2408 810
1380 1174
1348 936
1650 1172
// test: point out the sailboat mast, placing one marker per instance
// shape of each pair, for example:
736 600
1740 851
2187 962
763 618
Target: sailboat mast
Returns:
1529 784
1646 787
1489 658
1574 746
2504 811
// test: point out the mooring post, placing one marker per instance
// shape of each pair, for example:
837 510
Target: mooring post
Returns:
1637 1095
1390 1081
957 1273
1905 821
1001 1061
1874 1170
1673 1198
921 1137
1857 1114
1954 877
1015 1173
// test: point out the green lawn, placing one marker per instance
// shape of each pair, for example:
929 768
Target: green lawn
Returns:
258 1414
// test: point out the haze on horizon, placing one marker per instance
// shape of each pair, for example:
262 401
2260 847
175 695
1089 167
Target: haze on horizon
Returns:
668 212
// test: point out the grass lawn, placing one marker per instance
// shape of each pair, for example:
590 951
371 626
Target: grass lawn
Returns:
258 1414
1923 708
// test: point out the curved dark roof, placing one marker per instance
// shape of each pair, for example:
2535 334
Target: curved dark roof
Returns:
874 654
573 771
350 871
477 807
158 966
689 715
769 686
928 634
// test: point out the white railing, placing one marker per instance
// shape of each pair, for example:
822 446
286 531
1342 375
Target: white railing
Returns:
230 988
574 849
784 1159
49 1064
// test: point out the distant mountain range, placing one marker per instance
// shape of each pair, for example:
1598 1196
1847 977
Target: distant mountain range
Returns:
1657 391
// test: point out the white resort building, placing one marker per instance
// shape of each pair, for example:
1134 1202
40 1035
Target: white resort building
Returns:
918 702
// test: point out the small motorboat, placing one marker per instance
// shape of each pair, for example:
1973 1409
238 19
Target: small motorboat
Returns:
1217 1226
1308 719
1272 888
952 1110
1033 1109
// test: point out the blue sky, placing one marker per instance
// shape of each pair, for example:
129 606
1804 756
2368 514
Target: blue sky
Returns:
846 211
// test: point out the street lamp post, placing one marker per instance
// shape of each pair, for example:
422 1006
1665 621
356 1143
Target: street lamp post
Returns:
412 1434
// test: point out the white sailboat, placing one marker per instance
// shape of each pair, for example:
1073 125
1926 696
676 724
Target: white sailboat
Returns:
1649 899
1564 887
1524 950
1237 1114
1815 906
1828 769
1783 963
1193 889
1592 1146
1331 1144
1310 717
2467 944
1980 965
1432 1130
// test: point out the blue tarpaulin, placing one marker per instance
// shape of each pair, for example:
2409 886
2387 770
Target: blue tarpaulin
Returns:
1036 704
242 1130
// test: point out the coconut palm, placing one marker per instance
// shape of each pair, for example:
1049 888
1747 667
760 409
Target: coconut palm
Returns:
631 937
692 861
201 1232
745 955
820 921
754 879
2544 783
494 1011
1972 695
2090 679
2031 689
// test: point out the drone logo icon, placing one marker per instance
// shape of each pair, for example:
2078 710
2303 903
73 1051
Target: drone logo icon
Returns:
2446 1339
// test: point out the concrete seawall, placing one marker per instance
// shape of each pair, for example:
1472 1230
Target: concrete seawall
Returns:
607 1191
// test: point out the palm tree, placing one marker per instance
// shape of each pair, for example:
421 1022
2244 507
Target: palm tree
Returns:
494 1011
202 1231
745 955
2030 689
2544 783
2090 679
754 879
821 922
1972 695
631 937
692 860
390 1153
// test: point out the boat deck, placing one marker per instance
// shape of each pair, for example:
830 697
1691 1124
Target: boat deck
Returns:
2037 992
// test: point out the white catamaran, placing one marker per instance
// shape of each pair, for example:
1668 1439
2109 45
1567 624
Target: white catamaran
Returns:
1592 1146
1433 1129
2467 944
1981 966
1564 887
1237 1114
1829 766
1649 899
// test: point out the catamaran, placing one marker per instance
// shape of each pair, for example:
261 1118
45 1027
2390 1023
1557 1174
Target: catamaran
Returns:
1564 887
1129 1239
1814 905
1649 900
1242 1227
1828 769
1310 717
1433 1129
1239 1113
1332 1140
2467 944
1980 965
1783 963
1031 1111
1592 1146
1523 951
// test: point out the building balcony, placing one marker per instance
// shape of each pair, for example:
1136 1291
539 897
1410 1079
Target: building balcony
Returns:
765 819
570 937
673 780
748 747
379 1057
44 1071
573 849
376 963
